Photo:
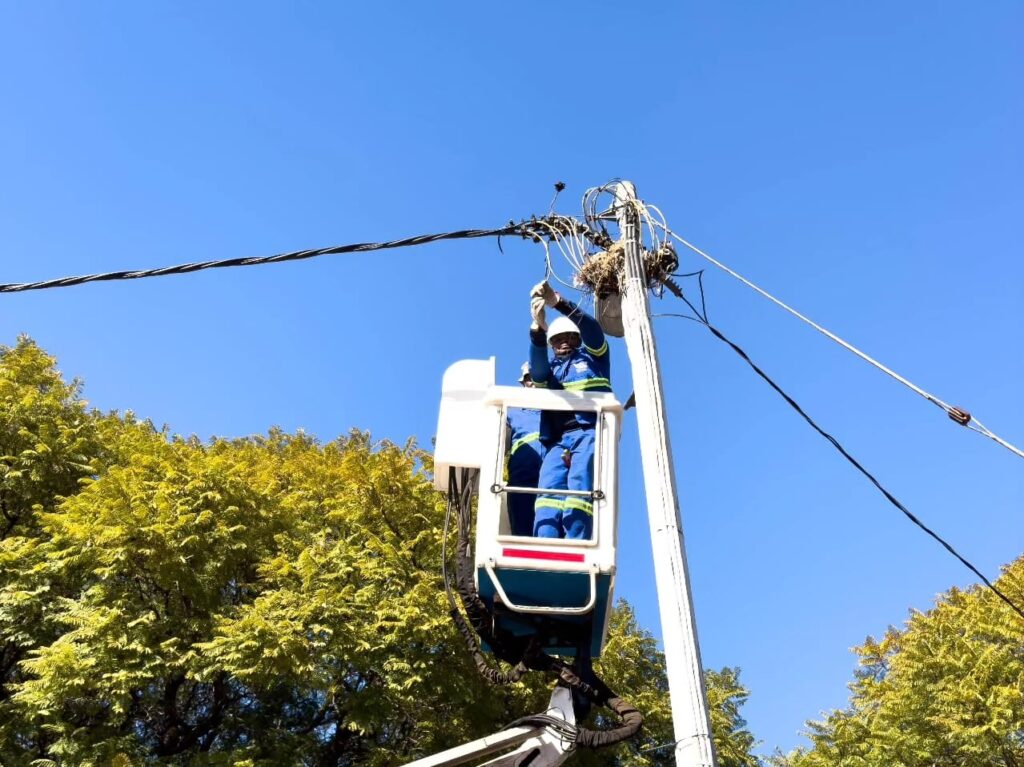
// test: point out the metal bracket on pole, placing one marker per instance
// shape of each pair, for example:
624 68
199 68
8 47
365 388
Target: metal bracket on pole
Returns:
692 725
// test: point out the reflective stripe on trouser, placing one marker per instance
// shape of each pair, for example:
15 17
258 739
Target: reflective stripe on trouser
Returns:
560 516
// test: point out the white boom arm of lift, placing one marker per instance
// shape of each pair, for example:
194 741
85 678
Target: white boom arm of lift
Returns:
535 745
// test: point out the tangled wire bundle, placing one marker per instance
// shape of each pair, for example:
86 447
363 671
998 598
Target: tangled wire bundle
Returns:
601 272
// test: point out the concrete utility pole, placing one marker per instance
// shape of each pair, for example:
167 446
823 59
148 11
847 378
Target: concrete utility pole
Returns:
690 719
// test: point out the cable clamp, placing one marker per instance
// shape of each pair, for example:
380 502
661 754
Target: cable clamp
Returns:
962 417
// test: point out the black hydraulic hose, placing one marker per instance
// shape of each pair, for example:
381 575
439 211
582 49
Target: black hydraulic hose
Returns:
491 674
632 721
602 695
476 610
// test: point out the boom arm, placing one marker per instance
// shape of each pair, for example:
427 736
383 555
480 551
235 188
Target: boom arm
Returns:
536 744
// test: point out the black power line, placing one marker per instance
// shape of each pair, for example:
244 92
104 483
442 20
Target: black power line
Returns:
835 443
531 229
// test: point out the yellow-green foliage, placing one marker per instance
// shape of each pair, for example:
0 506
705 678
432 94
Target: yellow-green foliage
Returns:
635 668
260 601
48 444
946 691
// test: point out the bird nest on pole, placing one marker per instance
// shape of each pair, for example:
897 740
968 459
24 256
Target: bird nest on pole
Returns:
602 272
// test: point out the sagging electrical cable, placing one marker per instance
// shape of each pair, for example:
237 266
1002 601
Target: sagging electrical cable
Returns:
701 318
958 415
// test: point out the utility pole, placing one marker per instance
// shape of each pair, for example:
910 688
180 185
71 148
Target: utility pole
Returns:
690 720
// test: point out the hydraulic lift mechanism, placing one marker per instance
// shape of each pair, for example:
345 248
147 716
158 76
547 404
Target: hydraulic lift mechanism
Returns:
536 744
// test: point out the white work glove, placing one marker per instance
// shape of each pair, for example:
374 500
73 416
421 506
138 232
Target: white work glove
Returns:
537 312
544 291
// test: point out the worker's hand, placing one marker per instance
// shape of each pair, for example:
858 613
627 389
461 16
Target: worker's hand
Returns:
537 312
545 291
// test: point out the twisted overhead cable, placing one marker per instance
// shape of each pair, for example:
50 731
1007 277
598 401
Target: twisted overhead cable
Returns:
534 229
956 414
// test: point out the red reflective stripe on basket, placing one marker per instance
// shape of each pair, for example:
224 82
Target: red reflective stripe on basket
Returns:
551 556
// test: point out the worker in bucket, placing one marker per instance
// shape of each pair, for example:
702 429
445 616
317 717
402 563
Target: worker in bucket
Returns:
525 454
570 354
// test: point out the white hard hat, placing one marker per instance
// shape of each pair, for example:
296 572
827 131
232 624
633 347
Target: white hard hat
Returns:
524 372
562 325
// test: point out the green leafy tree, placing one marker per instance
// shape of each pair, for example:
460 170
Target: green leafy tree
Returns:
946 691
733 741
48 445
261 601
635 669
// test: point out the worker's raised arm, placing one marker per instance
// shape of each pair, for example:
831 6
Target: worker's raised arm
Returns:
540 367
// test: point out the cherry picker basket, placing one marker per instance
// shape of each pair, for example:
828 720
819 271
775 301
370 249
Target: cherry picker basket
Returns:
556 590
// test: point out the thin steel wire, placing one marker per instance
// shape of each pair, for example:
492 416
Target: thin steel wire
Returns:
973 424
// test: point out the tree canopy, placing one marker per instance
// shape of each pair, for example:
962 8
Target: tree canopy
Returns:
945 691
258 601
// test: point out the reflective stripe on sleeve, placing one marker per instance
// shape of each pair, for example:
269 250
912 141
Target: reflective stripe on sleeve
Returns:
586 384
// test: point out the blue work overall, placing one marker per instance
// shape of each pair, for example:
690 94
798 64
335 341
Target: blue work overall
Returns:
568 437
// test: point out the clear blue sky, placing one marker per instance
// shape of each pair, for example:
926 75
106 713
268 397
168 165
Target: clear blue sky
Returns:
862 161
